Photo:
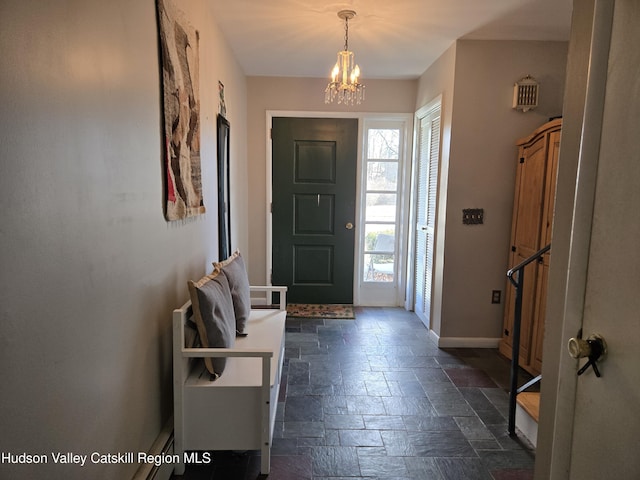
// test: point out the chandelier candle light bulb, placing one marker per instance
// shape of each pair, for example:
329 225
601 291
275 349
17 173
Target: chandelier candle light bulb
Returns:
345 86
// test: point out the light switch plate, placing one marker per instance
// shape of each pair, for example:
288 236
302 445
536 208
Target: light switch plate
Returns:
473 216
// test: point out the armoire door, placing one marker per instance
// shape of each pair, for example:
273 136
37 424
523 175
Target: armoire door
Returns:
530 183
543 265
531 231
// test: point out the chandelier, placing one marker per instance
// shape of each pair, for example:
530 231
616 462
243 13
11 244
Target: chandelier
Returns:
344 86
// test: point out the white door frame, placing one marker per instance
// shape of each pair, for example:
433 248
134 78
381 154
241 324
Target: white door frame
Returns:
559 391
383 293
411 232
361 117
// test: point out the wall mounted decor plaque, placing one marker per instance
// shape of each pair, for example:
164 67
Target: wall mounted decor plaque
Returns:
181 100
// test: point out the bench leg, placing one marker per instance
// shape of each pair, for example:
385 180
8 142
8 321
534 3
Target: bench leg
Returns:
178 447
265 460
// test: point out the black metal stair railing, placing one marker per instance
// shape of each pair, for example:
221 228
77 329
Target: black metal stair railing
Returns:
518 284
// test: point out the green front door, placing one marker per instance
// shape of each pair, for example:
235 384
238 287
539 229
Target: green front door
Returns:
314 189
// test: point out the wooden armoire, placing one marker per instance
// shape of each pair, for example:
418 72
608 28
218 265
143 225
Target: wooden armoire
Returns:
530 231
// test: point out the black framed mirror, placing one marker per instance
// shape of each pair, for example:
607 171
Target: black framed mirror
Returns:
224 230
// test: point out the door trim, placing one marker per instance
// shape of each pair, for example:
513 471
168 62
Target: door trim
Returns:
557 411
360 116
436 103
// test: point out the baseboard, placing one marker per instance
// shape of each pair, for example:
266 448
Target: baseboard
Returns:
464 342
163 445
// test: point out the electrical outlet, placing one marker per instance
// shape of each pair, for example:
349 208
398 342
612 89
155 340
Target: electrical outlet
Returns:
495 296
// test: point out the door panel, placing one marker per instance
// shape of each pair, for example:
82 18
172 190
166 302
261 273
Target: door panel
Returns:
606 419
314 188
428 157
589 425
543 268
313 214
527 218
530 198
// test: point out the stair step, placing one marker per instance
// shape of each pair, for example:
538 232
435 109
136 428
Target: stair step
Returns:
530 402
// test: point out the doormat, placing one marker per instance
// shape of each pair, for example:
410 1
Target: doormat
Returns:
329 311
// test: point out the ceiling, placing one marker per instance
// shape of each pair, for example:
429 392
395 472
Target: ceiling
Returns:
391 39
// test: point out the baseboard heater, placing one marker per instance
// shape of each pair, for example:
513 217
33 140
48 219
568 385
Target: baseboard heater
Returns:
163 445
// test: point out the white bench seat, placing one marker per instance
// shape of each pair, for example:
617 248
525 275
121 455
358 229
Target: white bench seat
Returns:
237 410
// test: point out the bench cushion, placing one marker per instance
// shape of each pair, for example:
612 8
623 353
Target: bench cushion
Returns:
236 272
213 314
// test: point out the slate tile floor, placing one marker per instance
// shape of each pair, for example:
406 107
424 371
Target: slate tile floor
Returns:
374 398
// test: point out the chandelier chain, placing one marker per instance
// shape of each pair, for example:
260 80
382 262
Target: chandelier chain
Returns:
346 34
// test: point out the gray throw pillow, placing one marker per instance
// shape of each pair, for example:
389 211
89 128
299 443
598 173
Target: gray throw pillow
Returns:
214 317
236 272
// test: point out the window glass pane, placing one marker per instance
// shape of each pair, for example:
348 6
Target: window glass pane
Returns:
383 143
378 268
381 207
382 176
380 238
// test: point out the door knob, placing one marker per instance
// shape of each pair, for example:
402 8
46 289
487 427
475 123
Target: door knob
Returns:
349 226
593 348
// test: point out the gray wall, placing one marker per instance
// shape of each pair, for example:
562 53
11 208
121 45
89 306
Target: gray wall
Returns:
479 162
90 268
438 81
299 95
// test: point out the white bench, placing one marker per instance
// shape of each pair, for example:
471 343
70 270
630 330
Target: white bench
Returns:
237 411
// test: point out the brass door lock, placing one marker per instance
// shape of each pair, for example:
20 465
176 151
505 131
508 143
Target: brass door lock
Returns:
594 348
